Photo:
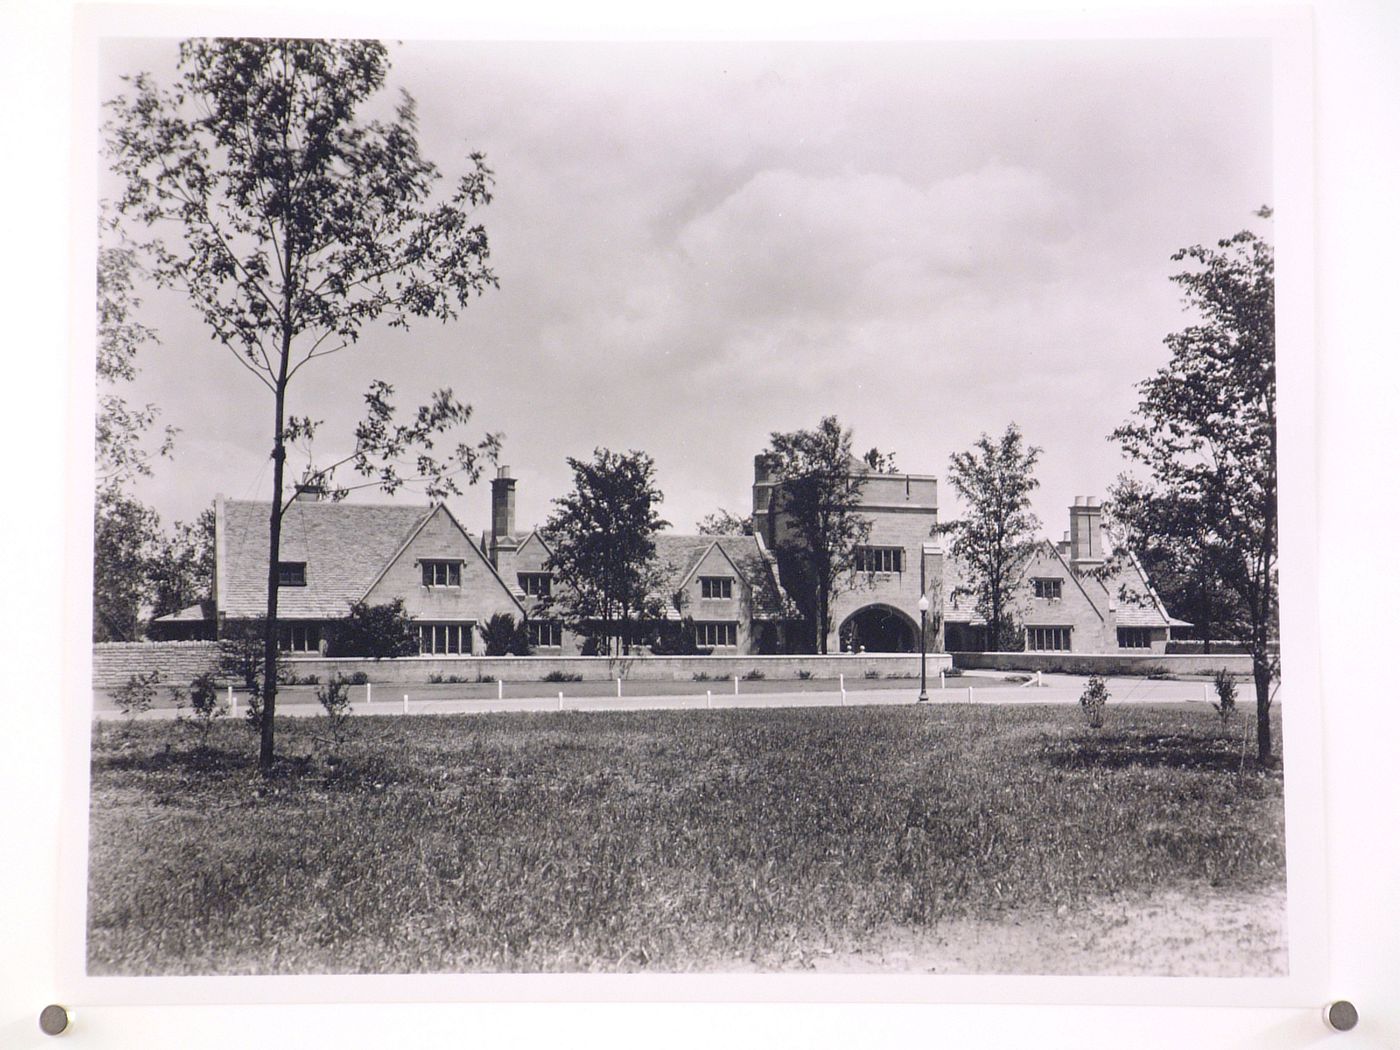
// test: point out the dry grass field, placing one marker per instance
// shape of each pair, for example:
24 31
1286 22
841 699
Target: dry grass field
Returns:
929 838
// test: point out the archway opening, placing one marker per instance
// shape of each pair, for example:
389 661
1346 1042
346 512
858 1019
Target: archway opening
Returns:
879 629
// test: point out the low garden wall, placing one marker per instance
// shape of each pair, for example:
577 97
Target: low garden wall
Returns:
1107 663
114 662
602 668
178 662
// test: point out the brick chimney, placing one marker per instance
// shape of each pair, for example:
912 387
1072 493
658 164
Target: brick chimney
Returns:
763 486
1086 533
502 506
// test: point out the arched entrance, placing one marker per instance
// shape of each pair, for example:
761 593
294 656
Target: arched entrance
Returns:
879 629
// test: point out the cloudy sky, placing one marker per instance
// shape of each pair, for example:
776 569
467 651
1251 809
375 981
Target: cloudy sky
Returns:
699 244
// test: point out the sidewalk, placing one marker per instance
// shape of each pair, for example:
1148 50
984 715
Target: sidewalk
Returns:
1058 689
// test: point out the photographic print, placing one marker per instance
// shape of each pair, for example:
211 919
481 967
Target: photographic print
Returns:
704 508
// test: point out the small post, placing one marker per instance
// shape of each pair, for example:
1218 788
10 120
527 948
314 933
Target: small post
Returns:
843 698
736 685
619 685
969 694
232 703
1205 691
405 703
500 689
942 681
842 677
709 699
1039 681
561 700
369 693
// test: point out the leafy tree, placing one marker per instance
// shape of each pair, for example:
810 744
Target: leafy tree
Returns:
726 523
378 631
603 548
293 223
994 541
1206 432
505 637
818 498
880 462
1188 578
126 533
181 568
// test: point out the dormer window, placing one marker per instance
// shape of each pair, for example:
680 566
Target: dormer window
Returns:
716 587
535 584
1051 587
442 574
291 574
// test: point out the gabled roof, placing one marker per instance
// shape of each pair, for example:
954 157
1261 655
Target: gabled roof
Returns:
1150 613
680 556
512 591
345 547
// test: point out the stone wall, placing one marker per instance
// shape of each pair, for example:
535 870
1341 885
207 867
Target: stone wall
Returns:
602 668
178 662
1107 664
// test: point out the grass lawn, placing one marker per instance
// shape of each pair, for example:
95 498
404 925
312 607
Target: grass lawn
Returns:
680 840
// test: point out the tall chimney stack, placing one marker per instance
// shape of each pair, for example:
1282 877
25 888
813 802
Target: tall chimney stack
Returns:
1086 533
502 507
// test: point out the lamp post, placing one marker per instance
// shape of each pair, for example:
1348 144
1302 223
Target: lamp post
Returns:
923 648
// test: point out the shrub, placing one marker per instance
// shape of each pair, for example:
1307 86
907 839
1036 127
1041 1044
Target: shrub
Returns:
136 694
505 637
241 653
804 675
562 676
754 675
1093 699
674 638
872 673
335 702
253 716
377 631
486 678
358 678
206 705
953 672
700 676
1225 693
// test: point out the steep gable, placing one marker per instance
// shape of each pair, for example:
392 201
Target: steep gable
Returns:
479 594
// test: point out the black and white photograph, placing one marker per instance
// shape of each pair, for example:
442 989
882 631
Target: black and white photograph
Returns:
688 507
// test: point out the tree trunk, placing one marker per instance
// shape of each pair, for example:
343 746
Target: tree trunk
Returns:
1263 680
265 745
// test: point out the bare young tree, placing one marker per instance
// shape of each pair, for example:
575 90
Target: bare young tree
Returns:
291 223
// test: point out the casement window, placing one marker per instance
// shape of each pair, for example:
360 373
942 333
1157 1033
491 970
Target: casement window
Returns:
291 574
442 573
716 587
879 559
1051 587
445 639
535 584
545 634
1135 638
712 635
1047 639
299 637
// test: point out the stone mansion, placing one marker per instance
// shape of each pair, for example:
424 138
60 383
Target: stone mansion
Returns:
451 583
